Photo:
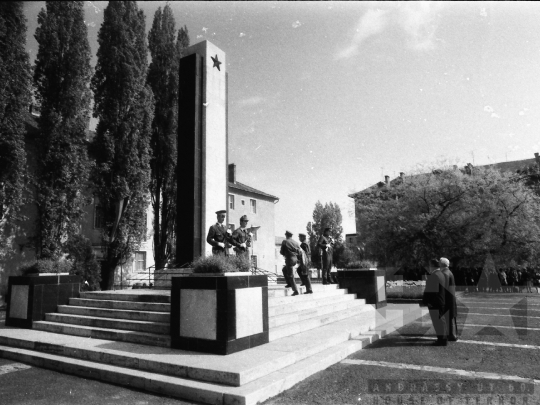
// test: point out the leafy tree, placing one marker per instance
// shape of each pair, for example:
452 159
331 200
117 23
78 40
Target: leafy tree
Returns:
327 216
163 79
15 97
124 105
448 213
62 75
85 265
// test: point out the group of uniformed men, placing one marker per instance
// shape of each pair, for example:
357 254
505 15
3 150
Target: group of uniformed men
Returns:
222 238
295 253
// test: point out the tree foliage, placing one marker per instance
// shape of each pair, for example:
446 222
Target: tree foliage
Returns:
85 264
166 51
15 97
327 216
124 105
453 214
62 75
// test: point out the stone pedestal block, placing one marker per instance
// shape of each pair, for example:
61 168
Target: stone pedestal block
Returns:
369 284
31 297
220 314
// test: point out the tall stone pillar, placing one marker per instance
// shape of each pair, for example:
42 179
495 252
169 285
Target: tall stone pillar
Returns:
202 148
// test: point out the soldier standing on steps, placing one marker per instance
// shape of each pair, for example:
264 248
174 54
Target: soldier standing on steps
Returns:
305 264
290 249
241 238
218 236
325 246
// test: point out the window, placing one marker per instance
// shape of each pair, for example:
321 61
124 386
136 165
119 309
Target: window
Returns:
231 202
253 206
243 202
140 261
99 217
254 261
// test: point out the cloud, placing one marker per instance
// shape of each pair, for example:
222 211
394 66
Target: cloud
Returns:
371 23
296 24
251 101
418 22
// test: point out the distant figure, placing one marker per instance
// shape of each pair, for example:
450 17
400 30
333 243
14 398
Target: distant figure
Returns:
305 264
290 249
218 236
435 299
241 238
450 302
325 246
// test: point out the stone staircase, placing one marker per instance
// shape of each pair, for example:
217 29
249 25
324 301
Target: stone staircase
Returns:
129 340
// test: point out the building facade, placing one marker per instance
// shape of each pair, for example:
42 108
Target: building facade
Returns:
259 207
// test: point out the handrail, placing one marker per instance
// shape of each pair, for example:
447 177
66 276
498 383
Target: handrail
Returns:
271 275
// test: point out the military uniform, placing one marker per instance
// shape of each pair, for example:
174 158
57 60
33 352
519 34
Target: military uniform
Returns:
290 249
303 269
435 299
325 246
218 234
240 236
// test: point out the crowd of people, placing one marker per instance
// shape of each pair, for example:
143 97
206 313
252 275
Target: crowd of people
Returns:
478 279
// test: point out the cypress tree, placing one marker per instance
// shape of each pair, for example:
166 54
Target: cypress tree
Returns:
163 79
123 103
15 98
61 77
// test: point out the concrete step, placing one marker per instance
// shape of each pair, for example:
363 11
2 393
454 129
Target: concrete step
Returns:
275 301
142 338
110 323
297 316
149 316
235 370
310 304
315 322
162 296
283 363
127 305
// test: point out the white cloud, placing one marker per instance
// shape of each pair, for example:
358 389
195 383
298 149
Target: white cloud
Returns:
371 23
418 20
493 115
251 101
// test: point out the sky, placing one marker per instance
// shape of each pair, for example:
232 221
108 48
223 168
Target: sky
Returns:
326 98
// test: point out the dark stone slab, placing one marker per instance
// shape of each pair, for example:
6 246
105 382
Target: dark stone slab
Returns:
363 283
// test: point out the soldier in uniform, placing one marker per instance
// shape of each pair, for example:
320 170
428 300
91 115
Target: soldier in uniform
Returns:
218 236
290 249
325 246
449 299
241 238
435 299
305 260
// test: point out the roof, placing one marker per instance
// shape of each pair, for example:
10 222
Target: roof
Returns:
243 187
513 166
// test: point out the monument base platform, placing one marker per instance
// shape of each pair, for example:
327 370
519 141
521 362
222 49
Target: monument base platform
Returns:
308 333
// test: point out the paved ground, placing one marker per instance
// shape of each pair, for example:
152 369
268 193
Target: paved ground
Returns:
498 350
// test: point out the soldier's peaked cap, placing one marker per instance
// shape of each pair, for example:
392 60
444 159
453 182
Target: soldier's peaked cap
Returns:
288 233
327 229
244 218
221 212
301 234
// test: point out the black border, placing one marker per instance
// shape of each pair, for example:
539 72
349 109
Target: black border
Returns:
226 342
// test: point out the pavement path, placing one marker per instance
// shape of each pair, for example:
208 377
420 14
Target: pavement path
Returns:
498 353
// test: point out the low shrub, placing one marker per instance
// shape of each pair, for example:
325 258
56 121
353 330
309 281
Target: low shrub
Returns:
220 264
360 264
45 266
